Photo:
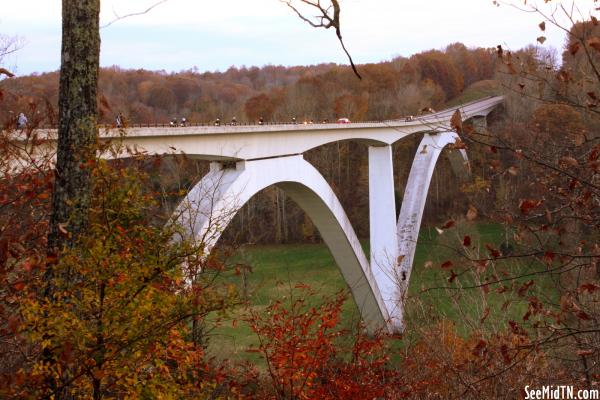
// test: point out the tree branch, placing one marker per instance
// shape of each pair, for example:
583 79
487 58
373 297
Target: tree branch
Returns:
325 20
120 17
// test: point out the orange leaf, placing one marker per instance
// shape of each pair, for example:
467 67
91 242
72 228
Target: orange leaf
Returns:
471 213
594 43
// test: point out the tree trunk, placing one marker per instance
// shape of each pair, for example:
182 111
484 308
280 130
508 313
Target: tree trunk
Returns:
77 130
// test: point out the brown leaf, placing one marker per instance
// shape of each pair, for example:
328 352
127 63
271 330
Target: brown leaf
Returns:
579 139
542 25
548 216
594 43
574 48
471 213
400 259
423 150
4 71
63 228
499 51
456 121
514 171
486 314
569 161
541 39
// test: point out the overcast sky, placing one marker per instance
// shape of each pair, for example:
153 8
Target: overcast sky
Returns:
214 35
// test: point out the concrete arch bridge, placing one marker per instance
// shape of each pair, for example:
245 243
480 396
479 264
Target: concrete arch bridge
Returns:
247 159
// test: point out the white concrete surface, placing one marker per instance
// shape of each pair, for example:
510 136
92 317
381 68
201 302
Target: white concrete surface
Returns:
413 205
382 222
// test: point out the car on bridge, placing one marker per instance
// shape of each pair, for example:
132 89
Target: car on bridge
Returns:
343 121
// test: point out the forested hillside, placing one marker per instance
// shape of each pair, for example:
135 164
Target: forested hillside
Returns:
388 90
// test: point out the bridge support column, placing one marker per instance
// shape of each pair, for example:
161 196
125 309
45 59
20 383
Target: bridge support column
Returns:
479 123
415 196
382 220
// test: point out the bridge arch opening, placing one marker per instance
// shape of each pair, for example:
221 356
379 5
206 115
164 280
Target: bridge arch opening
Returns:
211 205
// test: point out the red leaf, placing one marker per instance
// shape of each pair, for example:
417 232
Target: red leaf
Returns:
452 276
527 205
587 352
485 288
548 257
495 253
447 264
449 224
583 316
523 289
505 355
588 287
479 348
467 241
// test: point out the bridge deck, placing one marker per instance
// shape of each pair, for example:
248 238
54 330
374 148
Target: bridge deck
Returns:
248 142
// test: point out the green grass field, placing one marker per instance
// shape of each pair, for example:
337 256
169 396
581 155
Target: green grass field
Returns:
276 269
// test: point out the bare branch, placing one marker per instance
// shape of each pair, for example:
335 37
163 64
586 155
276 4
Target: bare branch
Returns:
329 17
120 17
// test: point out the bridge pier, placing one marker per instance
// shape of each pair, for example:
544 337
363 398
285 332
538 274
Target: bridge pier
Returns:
382 223
479 123
415 197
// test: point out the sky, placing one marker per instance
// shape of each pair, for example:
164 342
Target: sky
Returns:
210 35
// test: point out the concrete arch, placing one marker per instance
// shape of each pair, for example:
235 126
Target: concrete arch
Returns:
413 205
213 202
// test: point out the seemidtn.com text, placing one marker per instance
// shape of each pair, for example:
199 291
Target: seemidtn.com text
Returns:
560 392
